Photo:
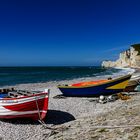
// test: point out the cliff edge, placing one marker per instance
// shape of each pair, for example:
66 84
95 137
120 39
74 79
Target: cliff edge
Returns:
128 58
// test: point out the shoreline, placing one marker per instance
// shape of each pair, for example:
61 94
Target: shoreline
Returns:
122 71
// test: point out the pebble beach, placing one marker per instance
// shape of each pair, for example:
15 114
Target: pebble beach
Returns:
73 118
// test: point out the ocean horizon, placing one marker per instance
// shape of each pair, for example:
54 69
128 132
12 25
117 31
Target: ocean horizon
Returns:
14 75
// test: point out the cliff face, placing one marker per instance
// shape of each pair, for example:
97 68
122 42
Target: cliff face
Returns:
128 58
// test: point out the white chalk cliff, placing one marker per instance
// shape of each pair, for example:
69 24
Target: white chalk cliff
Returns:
128 58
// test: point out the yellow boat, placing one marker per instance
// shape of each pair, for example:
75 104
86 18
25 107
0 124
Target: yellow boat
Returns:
95 88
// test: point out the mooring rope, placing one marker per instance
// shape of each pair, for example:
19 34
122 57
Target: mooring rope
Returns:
37 108
40 120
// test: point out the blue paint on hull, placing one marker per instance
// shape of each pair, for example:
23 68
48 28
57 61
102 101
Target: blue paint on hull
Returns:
93 90
3 95
88 92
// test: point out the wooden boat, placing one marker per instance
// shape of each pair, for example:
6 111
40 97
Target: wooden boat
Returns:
24 104
133 83
95 88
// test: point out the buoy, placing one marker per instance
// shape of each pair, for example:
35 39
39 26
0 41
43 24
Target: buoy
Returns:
101 97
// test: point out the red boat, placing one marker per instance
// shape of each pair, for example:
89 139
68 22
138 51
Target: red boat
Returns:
24 104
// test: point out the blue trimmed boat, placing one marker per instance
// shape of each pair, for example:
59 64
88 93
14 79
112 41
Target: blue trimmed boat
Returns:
95 88
4 92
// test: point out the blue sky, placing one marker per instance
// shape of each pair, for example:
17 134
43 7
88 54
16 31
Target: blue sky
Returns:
66 32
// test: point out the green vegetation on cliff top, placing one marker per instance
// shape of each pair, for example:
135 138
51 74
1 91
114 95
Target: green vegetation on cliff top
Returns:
136 47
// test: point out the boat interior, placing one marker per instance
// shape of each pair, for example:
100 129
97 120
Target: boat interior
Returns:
89 83
12 93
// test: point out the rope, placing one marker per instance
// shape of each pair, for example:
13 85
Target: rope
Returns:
111 127
59 97
61 129
53 129
41 121
47 127
37 108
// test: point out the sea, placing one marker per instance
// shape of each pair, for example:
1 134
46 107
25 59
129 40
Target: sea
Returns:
10 76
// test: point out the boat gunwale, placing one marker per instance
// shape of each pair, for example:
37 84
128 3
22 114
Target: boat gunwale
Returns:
26 96
98 84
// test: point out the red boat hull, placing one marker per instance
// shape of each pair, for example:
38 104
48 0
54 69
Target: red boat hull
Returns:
34 107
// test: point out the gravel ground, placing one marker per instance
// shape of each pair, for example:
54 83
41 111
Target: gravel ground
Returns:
74 118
